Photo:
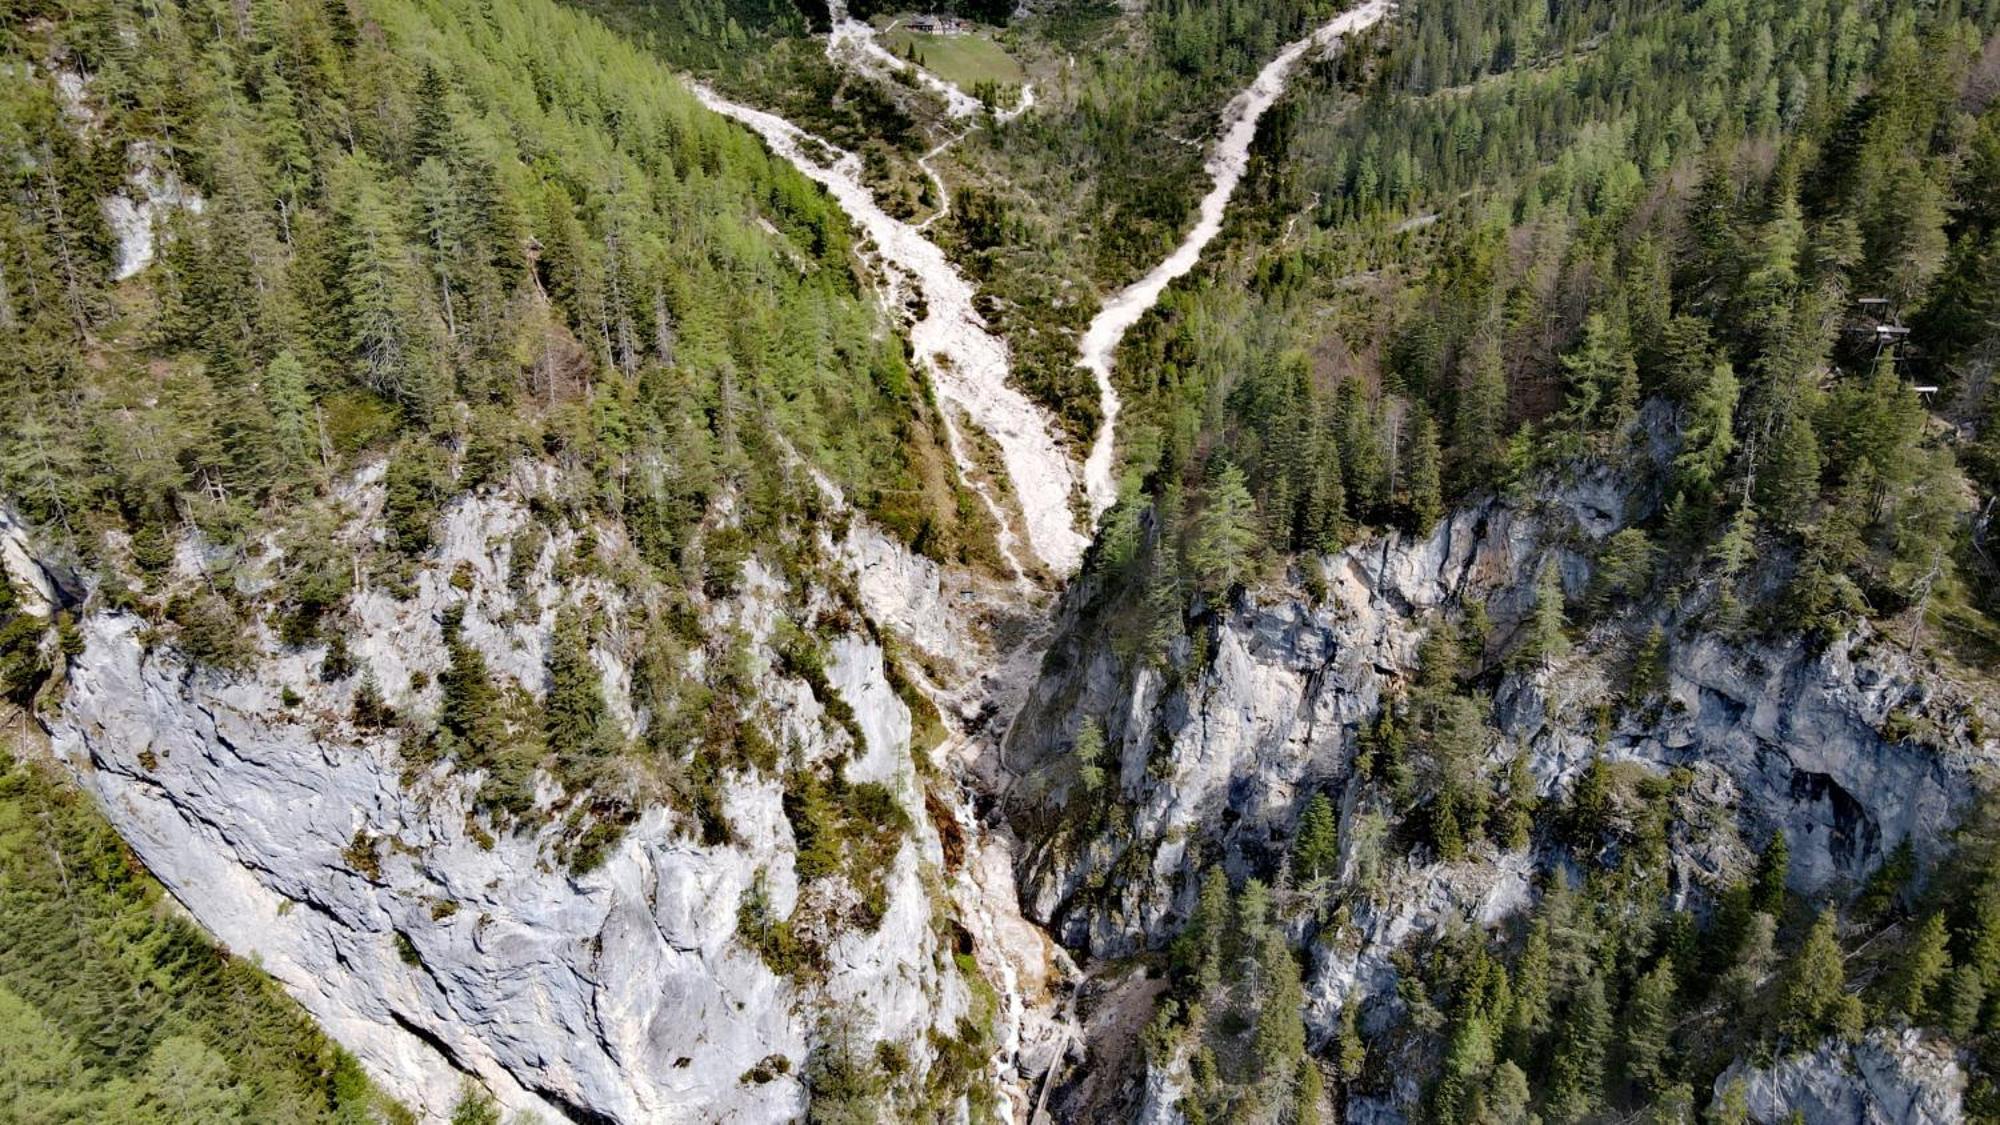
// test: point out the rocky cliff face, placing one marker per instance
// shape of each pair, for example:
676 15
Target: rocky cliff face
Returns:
1217 758
432 943
1886 1079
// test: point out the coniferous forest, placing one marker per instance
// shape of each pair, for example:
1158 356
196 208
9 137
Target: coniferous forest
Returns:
296 295
1665 239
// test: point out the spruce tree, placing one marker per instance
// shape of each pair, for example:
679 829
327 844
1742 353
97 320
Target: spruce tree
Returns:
1508 1096
576 719
1649 1021
1090 755
1788 478
1468 1056
1546 641
291 406
1225 536
1479 427
1423 494
1964 998
1924 966
1813 1000
1707 434
1533 986
1316 848
381 305
1601 377
1576 1072
1767 890
1280 1042
469 705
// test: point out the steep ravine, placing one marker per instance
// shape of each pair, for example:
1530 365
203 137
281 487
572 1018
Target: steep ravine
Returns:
434 947
1212 763
967 363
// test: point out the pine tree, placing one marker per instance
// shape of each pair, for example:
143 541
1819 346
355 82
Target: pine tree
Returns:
1546 642
433 136
287 155
1508 1096
1707 434
1733 1107
1437 660
469 705
1311 1091
1468 1056
1911 243
1350 1053
474 1107
576 720
1813 1000
1788 479
1602 378
1874 429
1625 568
1687 358
381 304
1767 888
1090 755
1649 667
1280 1043
291 407
1423 495
441 221
1589 813
186 1080
1964 998
1325 519
1363 477
1529 1019
1198 949
1479 427
1515 828
1576 1073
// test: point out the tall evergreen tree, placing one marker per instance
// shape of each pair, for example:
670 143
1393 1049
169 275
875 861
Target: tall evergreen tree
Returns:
1649 1021
1225 534
1576 1072
576 719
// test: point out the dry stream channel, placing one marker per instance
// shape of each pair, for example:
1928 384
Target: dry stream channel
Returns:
969 365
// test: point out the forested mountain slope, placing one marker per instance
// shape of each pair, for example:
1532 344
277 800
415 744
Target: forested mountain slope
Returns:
1552 649
444 469
497 541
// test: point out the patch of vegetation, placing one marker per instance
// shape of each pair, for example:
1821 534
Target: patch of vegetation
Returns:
113 1007
967 60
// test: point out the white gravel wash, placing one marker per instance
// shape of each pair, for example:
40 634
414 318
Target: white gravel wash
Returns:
1225 165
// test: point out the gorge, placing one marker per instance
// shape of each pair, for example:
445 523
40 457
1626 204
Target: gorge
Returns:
1170 562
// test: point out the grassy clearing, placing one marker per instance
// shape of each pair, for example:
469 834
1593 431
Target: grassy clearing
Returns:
963 60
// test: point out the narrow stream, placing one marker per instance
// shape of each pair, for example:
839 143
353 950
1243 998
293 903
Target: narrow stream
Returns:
1225 165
